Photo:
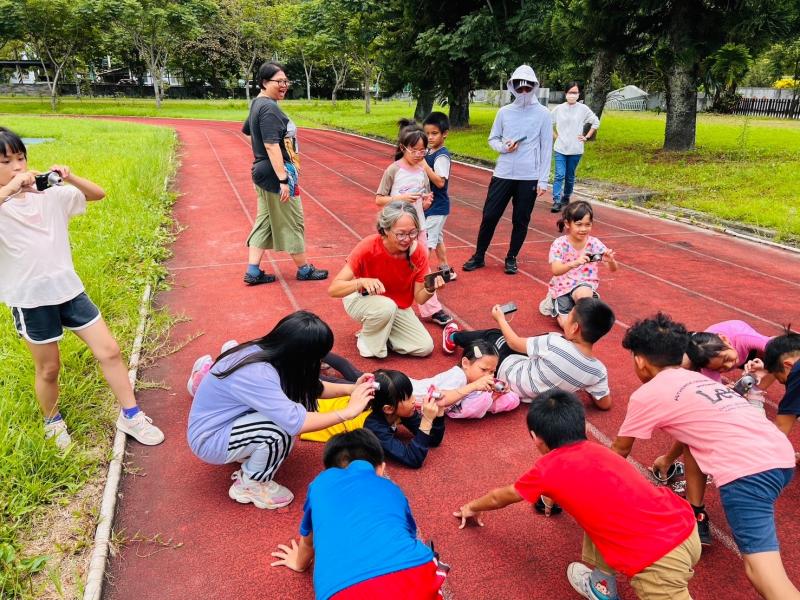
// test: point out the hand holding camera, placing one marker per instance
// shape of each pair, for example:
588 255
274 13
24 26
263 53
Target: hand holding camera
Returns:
484 384
359 399
370 286
437 279
430 408
500 311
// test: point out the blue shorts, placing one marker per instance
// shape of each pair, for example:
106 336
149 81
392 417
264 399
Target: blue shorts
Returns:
749 504
45 324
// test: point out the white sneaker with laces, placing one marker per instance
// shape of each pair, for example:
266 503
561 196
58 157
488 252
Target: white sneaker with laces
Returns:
547 307
228 345
58 431
578 575
199 371
140 427
268 494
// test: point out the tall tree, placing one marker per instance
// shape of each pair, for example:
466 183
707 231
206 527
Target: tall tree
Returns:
159 28
308 40
243 22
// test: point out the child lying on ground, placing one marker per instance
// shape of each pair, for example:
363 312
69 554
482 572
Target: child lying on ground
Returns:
469 390
394 404
533 365
358 529
645 532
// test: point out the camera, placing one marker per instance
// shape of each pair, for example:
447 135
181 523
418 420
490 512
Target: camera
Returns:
743 386
430 278
596 257
46 180
375 385
508 308
499 385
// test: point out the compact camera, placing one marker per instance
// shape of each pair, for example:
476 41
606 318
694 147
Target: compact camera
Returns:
596 257
508 308
46 180
499 385
430 278
744 385
375 385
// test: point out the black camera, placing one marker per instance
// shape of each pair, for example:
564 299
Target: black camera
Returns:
46 180
596 257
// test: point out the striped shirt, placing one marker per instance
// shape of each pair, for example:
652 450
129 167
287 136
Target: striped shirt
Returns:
553 361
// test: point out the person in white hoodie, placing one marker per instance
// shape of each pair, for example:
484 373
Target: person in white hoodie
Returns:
570 120
522 134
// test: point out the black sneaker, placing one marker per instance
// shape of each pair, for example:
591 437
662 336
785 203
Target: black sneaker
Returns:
258 279
540 508
310 273
511 266
475 262
703 528
441 318
556 208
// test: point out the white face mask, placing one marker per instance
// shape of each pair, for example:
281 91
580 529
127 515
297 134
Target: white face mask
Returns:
572 97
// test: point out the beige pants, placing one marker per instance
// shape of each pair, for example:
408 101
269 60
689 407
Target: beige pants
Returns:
383 323
666 579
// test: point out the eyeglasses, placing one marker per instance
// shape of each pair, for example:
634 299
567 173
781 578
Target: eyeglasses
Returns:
414 151
402 236
285 82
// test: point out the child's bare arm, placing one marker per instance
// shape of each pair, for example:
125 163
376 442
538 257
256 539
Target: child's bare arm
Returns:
90 189
623 445
436 179
296 556
496 499
515 342
559 268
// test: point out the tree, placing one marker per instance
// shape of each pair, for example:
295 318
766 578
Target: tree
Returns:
722 72
308 41
243 23
158 28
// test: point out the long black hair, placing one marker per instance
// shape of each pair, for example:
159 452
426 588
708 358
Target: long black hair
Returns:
295 348
11 141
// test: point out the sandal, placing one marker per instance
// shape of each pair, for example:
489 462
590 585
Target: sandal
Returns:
539 506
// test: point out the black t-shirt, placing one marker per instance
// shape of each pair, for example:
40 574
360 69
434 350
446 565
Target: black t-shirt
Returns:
266 124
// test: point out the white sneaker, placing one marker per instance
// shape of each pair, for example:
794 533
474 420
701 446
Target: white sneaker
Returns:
140 427
228 345
58 431
268 494
199 371
579 577
547 307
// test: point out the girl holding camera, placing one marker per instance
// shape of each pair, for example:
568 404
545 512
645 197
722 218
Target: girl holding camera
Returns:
574 259
383 277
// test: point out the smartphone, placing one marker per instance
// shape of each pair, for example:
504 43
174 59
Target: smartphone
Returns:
510 307
430 278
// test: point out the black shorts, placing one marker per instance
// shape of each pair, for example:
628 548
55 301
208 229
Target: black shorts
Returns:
565 303
45 324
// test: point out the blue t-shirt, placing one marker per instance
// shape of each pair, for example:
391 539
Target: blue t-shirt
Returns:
441 200
790 404
363 528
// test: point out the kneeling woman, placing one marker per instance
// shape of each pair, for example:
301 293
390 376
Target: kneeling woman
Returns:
383 277
258 396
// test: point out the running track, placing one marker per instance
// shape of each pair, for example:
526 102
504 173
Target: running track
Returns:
223 548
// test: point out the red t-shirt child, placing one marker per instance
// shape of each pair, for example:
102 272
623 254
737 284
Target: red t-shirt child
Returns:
371 259
631 522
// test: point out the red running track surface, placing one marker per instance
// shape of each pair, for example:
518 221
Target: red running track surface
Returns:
697 276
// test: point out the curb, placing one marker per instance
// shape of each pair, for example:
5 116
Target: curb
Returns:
97 565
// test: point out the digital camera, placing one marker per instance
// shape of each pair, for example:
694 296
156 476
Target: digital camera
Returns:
499 385
46 180
744 385
596 257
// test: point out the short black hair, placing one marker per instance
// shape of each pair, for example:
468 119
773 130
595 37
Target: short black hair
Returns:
344 448
557 418
702 346
267 70
780 346
438 120
395 388
570 85
595 318
659 339
11 141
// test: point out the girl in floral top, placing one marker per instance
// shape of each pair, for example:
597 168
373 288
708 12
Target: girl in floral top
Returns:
574 259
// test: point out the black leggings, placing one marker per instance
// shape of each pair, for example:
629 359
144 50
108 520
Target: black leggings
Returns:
522 195
348 370
493 336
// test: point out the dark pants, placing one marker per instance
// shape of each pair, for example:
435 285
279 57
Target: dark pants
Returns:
522 195
349 371
493 336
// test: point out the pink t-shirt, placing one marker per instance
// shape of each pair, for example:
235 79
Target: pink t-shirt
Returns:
561 250
744 340
729 437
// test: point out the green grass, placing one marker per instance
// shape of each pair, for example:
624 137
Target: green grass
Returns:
744 169
118 246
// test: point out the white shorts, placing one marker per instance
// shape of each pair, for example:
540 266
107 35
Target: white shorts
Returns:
434 229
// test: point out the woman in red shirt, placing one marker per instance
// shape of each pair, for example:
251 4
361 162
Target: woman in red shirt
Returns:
383 277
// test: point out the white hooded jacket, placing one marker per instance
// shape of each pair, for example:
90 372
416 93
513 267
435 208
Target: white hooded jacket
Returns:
524 117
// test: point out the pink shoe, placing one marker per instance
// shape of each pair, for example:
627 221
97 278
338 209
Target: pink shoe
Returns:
199 371
448 345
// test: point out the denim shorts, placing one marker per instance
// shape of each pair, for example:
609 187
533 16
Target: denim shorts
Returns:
749 504
45 324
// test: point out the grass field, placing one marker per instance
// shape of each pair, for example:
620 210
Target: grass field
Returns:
744 169
118 246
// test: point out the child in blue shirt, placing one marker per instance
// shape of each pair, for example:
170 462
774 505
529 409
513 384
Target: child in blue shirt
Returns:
437 167
358 529
782 359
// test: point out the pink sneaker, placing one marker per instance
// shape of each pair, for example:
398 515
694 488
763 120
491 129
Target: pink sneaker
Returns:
448 345
268 494
199 371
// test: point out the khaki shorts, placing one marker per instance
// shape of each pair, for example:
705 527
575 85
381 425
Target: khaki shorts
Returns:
666 579
279 225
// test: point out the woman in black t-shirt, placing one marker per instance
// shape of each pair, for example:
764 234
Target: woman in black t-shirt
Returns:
279 224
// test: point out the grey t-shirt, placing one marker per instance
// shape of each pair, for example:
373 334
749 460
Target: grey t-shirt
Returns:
266 124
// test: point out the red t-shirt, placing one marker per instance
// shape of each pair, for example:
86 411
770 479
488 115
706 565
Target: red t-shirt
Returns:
371 259
632 522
